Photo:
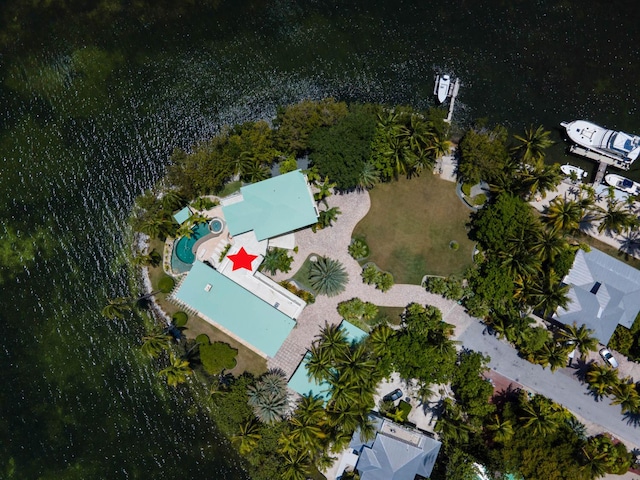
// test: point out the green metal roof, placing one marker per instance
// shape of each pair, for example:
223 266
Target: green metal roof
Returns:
234 308
272 207
183 215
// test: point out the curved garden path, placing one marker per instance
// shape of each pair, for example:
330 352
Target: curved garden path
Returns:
333 242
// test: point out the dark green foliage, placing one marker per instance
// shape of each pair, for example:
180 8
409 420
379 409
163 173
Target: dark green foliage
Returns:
179 319
217 356
493 285
450 288
308 297
327 276
483 155
358 312
422 349
341 151
204 203
276 259
166 284
358 249
296 122
471 390
269 398
372 275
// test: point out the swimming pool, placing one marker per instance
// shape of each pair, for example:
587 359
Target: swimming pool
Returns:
184 246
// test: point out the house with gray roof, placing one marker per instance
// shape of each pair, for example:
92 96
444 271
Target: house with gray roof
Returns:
395 453
604 293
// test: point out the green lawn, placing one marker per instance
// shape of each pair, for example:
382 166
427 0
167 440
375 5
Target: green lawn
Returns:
410 226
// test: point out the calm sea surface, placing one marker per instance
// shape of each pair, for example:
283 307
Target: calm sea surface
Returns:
89 117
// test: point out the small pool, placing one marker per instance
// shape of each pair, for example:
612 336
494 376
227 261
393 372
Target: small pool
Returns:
216 225
184 246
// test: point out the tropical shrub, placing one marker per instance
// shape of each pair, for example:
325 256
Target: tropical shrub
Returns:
358 312
276 259
358 249
217 356
327 276
308 297
204 203
268 397
224 252
179 319
166 284
371 274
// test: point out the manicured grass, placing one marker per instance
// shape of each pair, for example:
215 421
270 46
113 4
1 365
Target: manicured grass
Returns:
229 188
248 360
388 314
410 226
301 277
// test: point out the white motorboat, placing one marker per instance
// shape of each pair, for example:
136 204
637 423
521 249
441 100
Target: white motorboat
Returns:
441 89
619 146
624 184
569 169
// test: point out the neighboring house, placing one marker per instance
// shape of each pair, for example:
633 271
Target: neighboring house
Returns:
396 453
228 291
604 293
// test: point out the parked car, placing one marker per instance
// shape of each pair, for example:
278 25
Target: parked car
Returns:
393 396
608 358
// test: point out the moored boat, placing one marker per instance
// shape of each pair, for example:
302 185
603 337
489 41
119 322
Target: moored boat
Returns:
619 146
624 184
568 169
441 89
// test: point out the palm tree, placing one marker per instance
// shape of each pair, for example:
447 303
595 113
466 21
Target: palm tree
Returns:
538 415
553 354
333 340
616 219
601 379
369 177
172 200
116 308
355 366
327 277
626 395
533 144
549 294
153 258
595 464
155 343
326 218
542 179
502 430
580 338
296 466
185 230
319 363
269 397
379 340
452 426
324 191
307 423
177 371
548 243
247 437
563 214
370 274
157 227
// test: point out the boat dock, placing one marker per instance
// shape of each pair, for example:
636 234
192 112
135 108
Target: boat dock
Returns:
453 93
603 161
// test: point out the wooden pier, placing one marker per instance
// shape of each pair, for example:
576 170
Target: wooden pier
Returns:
453 93
603 160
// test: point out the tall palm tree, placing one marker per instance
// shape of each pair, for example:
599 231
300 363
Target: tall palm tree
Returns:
319 363
595 464
155 343
369 177
563 214
333 339
327 276
502 430
116 308
626 395
580 338
533 144
177 371
542 179
548 243
616 219
247 437
269 397
452 426
538 415
553 354
324 191
601 379
379 340
549 294
326 218
356 367
307 423
296 465
172 200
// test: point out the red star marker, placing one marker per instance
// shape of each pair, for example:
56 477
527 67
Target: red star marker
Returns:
242 259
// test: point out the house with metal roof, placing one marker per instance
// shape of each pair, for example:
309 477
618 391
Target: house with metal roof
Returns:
223 285
604 293
395 453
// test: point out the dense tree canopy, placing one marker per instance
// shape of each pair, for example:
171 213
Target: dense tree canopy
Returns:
483 155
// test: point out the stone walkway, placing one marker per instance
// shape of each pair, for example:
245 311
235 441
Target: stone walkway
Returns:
333 242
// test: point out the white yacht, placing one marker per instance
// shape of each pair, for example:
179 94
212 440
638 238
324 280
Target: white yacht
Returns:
568 169
618 146
624 184
441 89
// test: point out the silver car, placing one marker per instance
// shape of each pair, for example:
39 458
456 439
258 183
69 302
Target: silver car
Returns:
608 358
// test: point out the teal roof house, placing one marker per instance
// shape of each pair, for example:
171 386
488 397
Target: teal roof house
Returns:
227 290
604 293
396 452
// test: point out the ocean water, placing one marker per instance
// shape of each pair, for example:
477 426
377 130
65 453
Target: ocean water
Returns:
89 116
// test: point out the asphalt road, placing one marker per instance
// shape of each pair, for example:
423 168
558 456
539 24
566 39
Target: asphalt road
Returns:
562 386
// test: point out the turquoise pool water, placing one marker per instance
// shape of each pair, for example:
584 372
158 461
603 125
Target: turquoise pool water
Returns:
183 248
